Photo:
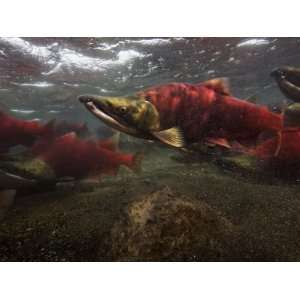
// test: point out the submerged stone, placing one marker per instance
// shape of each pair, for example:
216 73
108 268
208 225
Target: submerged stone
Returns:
166 226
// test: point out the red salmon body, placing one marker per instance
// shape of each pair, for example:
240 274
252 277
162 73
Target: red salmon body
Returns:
284 150
17 132
206 110
14 131
70 156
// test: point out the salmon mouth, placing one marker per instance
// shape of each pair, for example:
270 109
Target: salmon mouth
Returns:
96 105
288 79
290 74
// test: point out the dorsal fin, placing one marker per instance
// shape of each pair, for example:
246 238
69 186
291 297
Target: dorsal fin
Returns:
220 85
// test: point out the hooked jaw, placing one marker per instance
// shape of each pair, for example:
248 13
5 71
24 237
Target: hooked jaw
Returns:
99 107
91 101
138 118
288 79
291 74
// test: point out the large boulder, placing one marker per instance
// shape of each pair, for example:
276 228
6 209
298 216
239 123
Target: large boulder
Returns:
166 226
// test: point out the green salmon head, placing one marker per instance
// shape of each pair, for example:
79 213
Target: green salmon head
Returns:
132 115
292 74
288 80
128 114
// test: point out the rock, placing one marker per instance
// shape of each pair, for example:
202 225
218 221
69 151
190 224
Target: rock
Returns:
165 226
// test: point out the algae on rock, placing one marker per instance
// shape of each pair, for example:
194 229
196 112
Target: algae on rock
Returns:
166 226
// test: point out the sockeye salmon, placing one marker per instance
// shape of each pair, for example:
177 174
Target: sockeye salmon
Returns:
180 114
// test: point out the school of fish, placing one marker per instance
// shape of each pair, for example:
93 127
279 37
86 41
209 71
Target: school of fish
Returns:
182 115
179 115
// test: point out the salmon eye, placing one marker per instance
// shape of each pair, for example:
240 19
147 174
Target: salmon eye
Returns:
123 109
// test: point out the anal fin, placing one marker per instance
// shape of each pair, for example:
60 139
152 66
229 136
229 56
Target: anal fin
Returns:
218 141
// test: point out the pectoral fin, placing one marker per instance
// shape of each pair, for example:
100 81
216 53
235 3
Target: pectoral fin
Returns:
172 136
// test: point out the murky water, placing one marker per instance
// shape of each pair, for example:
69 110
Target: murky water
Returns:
41 79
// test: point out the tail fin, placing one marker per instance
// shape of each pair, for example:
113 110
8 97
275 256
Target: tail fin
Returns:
137 159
